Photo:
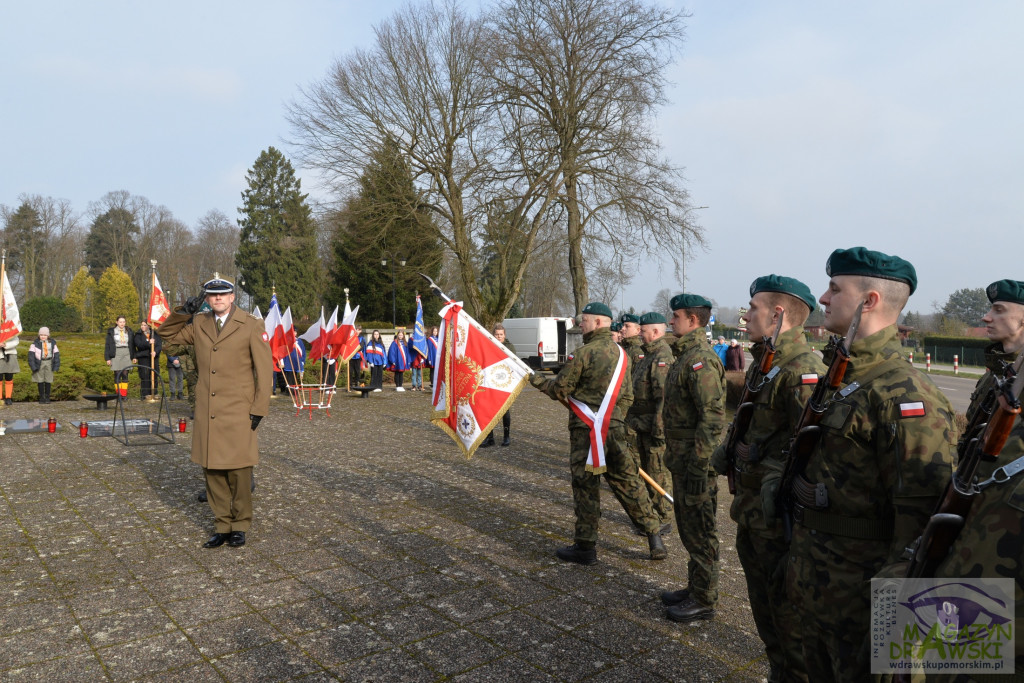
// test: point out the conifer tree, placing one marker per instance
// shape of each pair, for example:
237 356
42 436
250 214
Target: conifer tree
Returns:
116 295
81 296
277 245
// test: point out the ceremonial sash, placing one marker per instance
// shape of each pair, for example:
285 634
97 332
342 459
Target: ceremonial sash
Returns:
599 422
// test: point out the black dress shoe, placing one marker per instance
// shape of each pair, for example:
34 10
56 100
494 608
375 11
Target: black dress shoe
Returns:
691 610
216 541
671 598
506 441
201 497
574 553
236 539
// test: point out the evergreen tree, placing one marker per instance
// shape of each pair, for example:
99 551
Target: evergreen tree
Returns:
116 295
81 296
111 240
278 238
26 245
966 306
377 226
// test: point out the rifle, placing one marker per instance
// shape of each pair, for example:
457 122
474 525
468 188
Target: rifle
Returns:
763 374
1000 408
807 432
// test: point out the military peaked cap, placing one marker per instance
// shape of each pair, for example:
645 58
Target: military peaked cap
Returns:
629 318
1006 290
784 285
597 308
218 285
688 301
862 261
652 318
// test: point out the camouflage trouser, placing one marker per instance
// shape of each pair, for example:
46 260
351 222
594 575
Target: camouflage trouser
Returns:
651 452
763 555
831 595
698 531
622 478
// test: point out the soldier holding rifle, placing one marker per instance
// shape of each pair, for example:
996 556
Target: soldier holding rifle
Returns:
778 385
880 458
991 543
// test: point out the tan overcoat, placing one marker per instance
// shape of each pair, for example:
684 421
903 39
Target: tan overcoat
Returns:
235 379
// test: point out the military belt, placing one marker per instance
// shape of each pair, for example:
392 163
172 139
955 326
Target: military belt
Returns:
643 409
680 433
851 527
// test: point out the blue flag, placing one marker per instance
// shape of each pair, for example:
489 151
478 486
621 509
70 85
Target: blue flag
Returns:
419 339
273 303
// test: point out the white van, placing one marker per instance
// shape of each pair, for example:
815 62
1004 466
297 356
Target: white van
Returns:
540 342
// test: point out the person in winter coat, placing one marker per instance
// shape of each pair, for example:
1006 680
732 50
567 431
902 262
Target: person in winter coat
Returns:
44 360
119 354
376 358
734 359
398 359
147 352
236 371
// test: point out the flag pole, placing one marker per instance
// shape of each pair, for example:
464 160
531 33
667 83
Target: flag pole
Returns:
152 345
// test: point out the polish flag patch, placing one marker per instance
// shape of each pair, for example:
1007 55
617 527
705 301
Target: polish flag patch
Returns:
698 365
915 409
662 363
266 338
810 378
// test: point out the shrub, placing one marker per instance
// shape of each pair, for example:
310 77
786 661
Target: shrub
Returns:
49 311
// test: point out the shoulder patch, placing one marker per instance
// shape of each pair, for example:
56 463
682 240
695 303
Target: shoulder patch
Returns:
662 363
266 337
809 378
698 365
640 357
915 409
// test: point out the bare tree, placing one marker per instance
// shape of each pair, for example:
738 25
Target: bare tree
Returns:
49 251
609 276
591 73
426 88
662 303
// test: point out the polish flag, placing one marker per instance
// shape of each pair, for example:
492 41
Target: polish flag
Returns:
345 342
313 335
158 310
280 333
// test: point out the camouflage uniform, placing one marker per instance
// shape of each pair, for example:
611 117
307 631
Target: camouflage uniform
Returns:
759 461
874 477
644 418
991 543
694 419
633 346
585 377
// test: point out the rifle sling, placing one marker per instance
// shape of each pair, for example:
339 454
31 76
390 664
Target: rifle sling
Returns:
1003 474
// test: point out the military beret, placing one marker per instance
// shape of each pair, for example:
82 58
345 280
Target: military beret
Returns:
861 261
218 285
629 318
1006 290
688 301
616 327
652 318
597 308
784 285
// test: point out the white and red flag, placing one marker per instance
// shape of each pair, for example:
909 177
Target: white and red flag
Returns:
280 333
313 335
476 379
10 318
158 309
345 341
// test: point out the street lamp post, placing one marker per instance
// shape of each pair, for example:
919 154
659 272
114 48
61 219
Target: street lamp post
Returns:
394 295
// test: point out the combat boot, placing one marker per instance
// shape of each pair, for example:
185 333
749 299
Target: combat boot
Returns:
489 441
690 610
574 553
670 598
657 547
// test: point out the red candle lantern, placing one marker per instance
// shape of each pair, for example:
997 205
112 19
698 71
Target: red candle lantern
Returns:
83 429
51 425
181 425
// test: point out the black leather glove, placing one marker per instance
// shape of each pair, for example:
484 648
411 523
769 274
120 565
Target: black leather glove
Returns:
192 306
255 419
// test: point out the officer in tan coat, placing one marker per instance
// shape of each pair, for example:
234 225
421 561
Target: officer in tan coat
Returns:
233 394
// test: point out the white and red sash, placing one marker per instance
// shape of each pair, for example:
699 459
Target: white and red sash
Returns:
602 420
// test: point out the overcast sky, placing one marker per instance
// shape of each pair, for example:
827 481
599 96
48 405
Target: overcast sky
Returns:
802 126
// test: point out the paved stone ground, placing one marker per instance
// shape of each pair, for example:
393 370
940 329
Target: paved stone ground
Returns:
377 553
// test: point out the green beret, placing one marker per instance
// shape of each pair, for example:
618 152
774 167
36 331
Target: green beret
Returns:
1006 290
629 318
784 285
597 308
652 319
616 327
688 301
861 261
